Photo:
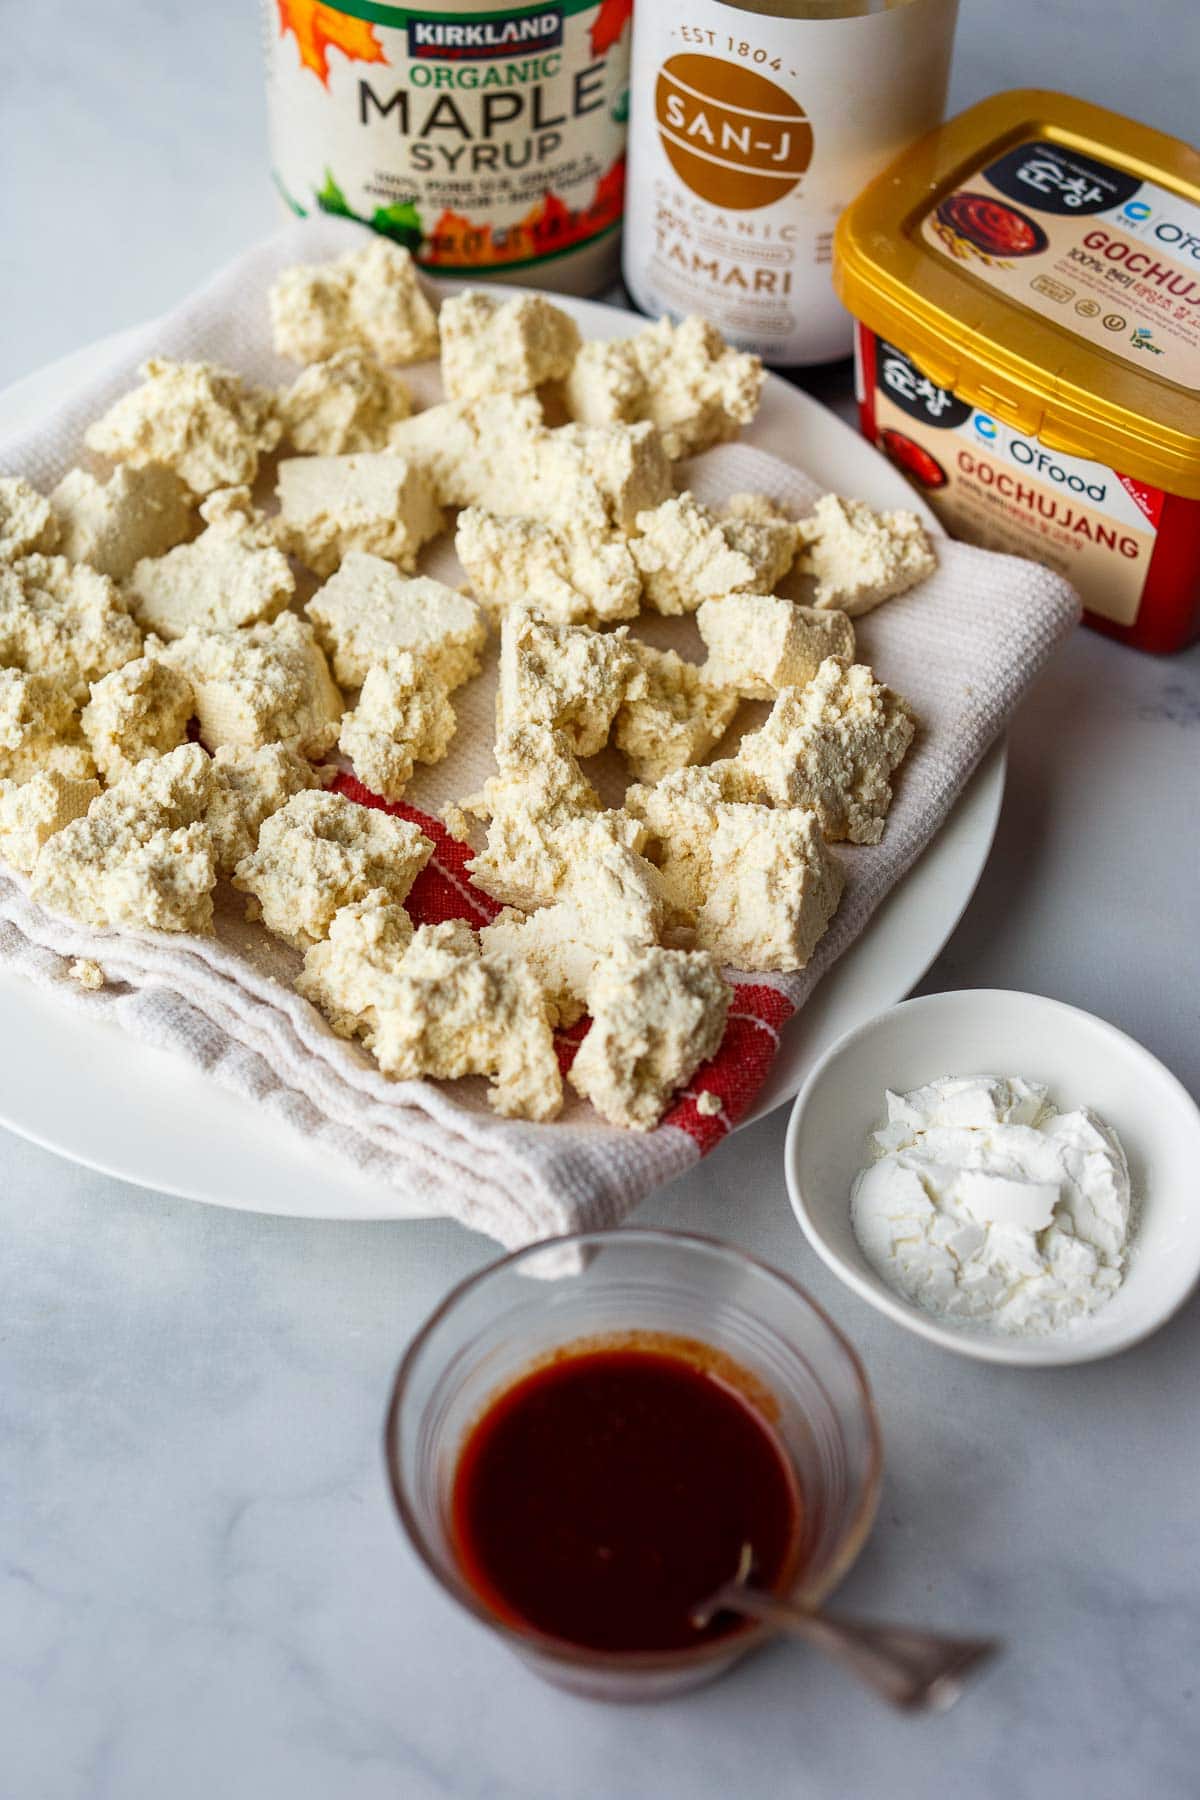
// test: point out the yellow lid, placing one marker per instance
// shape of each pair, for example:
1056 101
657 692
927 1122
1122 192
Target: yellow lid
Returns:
1073 315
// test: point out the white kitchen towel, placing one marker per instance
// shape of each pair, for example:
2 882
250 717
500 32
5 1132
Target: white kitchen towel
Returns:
963 648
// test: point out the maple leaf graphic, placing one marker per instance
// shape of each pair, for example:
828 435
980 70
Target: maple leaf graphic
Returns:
318 28
610 22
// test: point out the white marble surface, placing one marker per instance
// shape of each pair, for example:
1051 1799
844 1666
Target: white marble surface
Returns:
202 1591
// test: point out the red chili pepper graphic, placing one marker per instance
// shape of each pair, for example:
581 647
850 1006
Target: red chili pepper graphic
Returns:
991 226
914 459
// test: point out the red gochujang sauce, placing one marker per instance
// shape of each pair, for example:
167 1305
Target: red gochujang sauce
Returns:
605 1494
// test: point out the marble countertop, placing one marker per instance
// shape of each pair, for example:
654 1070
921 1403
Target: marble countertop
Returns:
202 1588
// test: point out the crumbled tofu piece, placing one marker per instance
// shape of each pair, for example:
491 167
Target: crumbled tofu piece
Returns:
528 861
536 771
389 311
63 621
610 898
495 453
756 884
759 643
310 312
512 346
453 1010
773 891
142 858
199 419
685 557
27 520
474 453
548 944
269 684
605 385
570 576
330 505
114 874
344 973
368 609
833 746
39 728
232 574
141 709
551 481
457 820
443 443
111 525
697 390
179 786
347 403
861 557
683 379
565 676
656 1016
321 851
403 717
676 719
680 814
88 973
594 476
708 784
32 811
249 785
758 528
545 820
370 298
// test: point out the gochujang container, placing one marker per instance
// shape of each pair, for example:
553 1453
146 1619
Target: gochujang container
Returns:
1026 281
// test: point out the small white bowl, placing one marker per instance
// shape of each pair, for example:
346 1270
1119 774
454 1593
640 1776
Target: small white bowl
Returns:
1083 1062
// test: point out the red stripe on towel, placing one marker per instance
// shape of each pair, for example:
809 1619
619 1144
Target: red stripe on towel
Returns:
757 1015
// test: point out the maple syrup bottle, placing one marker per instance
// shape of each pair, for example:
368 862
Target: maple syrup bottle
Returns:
490 143
754 123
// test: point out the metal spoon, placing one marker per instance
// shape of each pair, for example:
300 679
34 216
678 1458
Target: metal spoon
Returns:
921 1671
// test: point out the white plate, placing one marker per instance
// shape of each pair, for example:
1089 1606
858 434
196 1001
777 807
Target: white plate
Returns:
84 1089
1084 1062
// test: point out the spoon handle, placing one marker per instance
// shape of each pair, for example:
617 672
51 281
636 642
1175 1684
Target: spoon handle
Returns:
918 1670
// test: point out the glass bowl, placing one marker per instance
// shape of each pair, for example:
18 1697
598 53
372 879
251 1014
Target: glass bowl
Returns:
800 1374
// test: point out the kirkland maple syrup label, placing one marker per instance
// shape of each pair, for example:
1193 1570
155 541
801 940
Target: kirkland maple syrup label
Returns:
994 487
749 134
1112 259
480 140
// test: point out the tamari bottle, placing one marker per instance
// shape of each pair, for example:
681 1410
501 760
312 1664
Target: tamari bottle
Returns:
753 124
